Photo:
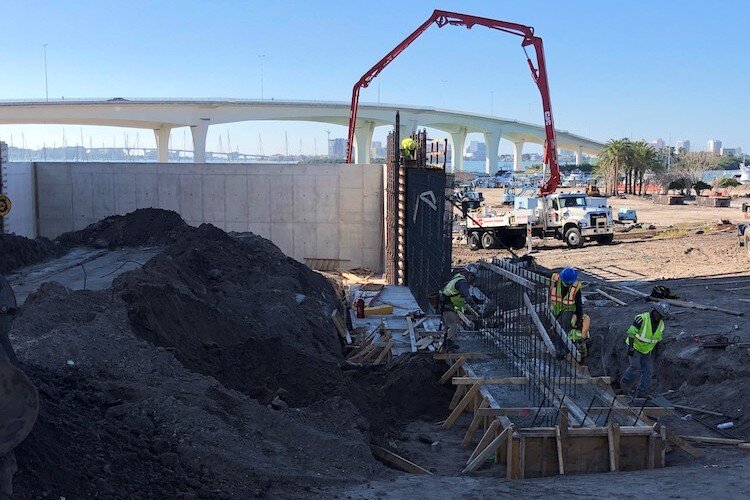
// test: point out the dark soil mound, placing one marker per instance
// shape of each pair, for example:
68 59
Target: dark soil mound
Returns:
240 311
17 251
145 226
122 418
213 371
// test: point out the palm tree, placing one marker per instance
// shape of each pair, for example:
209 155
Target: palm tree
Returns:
615 155
644 158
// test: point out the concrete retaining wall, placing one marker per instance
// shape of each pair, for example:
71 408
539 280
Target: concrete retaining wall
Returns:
18 185
318 211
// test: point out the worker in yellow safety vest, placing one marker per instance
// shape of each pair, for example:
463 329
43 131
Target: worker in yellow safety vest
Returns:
642 339
408 148
567 306
455 295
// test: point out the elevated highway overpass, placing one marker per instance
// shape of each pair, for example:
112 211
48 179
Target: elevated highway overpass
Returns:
162 115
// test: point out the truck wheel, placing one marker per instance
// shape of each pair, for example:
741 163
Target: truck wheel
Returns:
474 241
606 239
747 241
573 237
488 240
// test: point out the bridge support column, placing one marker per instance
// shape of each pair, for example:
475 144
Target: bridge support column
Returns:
458 141
492 143
579 155
162 143
199 133
517 155
363 142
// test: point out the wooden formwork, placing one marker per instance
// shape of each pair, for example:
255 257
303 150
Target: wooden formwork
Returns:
713 201
566 448
668 199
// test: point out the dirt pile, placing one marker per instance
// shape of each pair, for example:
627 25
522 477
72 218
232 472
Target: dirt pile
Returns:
17 251
213 371
240 311
120 417
143 227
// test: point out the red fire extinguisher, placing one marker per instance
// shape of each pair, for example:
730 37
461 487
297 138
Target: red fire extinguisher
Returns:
360 308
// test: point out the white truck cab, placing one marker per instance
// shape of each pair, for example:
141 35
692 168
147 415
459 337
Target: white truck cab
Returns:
571 217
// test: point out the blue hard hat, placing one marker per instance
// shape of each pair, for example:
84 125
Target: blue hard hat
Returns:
569 276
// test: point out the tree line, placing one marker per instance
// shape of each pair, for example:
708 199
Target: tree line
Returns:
632 163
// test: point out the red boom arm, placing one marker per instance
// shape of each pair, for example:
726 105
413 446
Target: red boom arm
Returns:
538 73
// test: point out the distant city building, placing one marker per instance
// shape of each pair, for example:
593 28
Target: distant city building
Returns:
377 150
682 146
658 144
714 146
731 151
337 148
476 150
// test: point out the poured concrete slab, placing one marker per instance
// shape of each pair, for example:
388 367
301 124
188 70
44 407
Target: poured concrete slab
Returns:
81 268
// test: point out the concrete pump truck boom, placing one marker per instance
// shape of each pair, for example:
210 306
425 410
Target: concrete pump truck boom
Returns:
538 73
571 218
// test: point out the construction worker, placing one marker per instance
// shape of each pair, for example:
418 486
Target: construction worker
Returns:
456 294
408 148
567 306
642 338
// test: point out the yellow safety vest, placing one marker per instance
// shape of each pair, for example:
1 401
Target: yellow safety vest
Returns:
645 339
560 302
450 291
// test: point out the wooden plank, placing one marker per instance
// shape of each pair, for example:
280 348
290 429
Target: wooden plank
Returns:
613 440
384 352
456 355
452 370
550 410
610 297
489 380
457 396
684 445
651 451
340 325
674 302
509 460
488 436
698 410
475 423
370 356
562 438
713 440
560 455
488 450
522 458
412 337
460 407
397 461
362 353
511 276
463 318
524 380
538 323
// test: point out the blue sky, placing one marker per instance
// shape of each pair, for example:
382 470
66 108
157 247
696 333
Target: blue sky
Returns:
641 69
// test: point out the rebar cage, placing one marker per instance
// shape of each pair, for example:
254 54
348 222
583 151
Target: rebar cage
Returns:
524 339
